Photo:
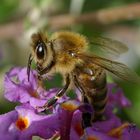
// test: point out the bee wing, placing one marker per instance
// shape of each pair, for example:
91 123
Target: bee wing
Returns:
108 47
119 69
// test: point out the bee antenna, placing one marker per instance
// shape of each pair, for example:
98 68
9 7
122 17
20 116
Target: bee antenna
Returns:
29 66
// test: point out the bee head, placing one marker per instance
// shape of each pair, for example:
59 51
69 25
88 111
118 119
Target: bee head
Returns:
41 51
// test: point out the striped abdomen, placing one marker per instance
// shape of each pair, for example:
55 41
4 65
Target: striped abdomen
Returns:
98 98
93 80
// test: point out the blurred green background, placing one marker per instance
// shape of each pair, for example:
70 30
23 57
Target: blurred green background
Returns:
19 19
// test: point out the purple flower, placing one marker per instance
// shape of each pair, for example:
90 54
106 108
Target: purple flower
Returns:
65 113
65 120
111 129
19 89
24 122
70 124
70 120
116 96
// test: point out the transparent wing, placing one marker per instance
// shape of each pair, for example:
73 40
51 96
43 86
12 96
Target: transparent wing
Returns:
107 47
119 69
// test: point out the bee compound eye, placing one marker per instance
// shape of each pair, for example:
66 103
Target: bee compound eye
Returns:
40 51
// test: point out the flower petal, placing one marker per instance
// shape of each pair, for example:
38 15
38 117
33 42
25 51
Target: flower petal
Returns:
24 122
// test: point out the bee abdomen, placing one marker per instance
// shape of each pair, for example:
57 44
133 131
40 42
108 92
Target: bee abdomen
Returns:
99 101
99 109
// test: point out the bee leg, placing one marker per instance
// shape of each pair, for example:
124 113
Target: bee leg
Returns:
60 93
86 117
41 71
39 76
29 66
47 69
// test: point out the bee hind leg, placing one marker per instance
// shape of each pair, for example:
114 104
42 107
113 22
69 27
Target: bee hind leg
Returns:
86 117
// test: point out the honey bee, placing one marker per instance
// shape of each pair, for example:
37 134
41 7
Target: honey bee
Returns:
68 53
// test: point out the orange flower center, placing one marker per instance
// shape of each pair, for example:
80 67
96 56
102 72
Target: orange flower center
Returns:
34 94
69 105
92 138
117 132
80 131
22 123
78 128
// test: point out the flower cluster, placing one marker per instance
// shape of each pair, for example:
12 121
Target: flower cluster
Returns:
63 121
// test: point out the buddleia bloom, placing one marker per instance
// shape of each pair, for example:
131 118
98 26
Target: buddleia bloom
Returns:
24 122
62 121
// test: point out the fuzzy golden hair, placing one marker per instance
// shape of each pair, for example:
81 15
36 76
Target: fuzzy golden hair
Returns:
65 44
68 43
72 41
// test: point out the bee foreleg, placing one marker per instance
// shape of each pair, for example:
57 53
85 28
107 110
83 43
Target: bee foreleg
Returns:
39 76
41 71
46 69
29 66
60 93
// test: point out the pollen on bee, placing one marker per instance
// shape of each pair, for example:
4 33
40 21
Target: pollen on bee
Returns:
22 123
70 105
